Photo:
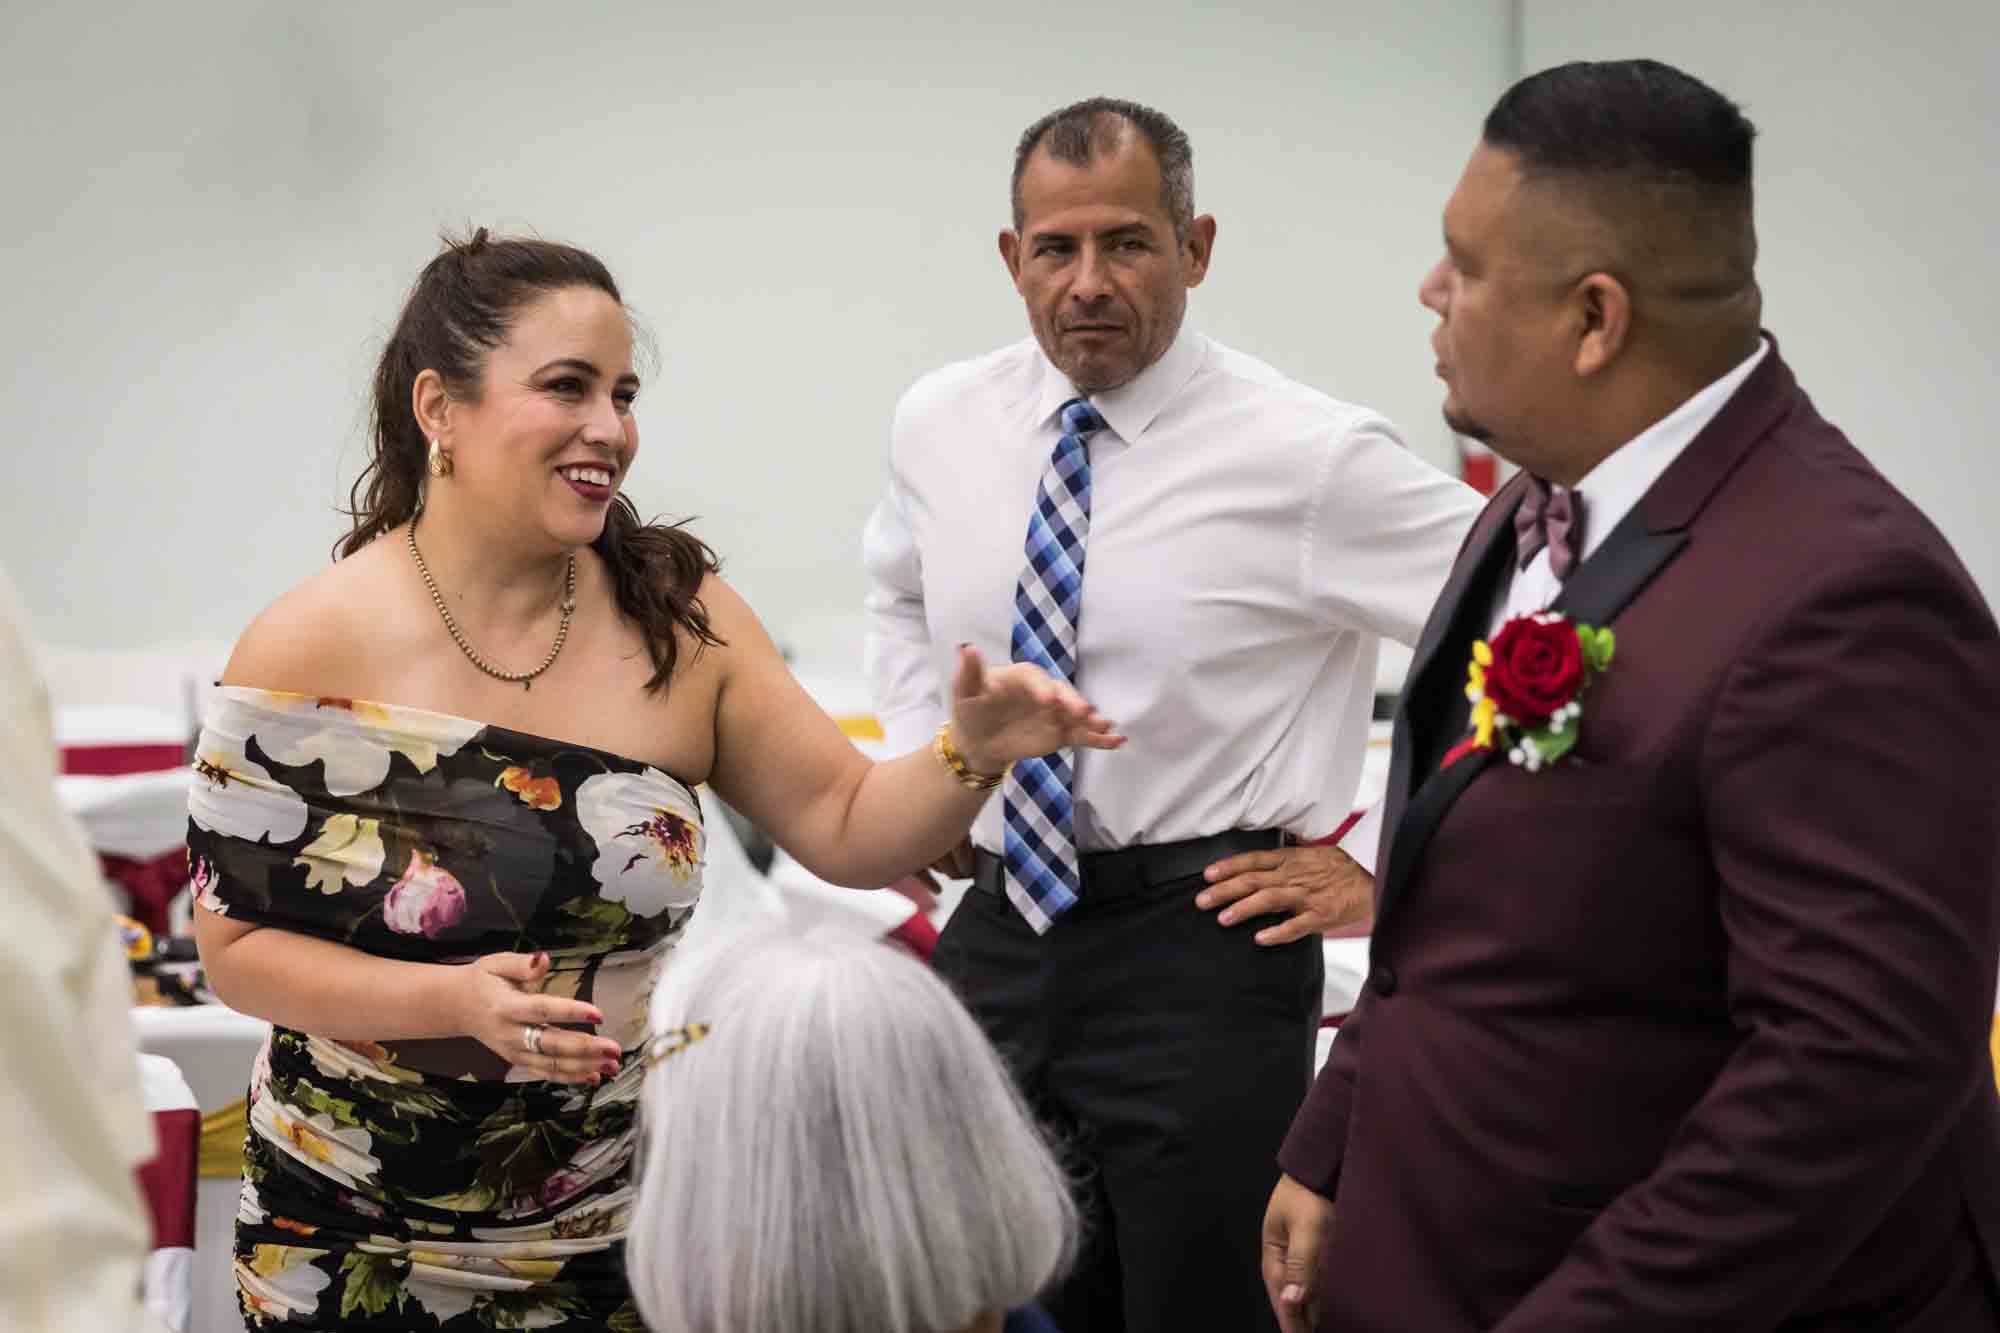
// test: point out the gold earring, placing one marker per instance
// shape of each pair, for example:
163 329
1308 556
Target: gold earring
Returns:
440 461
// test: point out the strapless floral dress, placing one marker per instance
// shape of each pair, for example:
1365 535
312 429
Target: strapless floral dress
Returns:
428 1184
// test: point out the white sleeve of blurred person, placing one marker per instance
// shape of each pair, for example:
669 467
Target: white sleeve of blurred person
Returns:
825 1104
898 657
73 1230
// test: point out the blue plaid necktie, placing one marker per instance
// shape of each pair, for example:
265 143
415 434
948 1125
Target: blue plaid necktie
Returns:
1038 834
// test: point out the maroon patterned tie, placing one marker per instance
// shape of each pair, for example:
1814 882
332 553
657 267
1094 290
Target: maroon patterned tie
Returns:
1553 517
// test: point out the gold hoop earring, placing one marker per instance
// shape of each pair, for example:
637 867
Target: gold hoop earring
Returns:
440 463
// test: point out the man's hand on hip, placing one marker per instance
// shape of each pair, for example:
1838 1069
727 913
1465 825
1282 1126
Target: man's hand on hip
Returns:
1295 1225
1321 887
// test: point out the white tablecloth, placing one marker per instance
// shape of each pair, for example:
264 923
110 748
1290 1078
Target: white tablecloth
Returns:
139 815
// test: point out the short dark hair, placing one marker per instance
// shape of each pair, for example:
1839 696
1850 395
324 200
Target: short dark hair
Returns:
1636 117
1095 126
1661 156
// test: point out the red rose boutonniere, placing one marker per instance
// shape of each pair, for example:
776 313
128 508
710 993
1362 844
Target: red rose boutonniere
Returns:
1526 687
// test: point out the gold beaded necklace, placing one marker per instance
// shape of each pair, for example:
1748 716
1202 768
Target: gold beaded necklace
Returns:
527 678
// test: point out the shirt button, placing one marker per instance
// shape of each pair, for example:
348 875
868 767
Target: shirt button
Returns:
1383 981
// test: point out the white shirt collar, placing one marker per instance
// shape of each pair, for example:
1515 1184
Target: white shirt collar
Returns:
1616 484
1131 407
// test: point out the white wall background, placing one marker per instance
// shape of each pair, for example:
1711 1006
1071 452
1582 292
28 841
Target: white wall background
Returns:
1877 192
217 206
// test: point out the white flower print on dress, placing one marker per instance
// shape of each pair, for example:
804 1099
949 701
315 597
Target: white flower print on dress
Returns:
623 990
649 840
236 797
357 1059
439 1291
348 850
338 1152
281 1281
260 1072
541 1316
249 1204
352 738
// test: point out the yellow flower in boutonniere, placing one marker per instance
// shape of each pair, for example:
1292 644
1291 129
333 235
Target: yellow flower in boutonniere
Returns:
1483 714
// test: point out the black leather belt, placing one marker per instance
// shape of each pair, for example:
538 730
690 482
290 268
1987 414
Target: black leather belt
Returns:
1130 870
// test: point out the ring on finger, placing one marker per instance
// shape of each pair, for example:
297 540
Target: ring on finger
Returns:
531 1037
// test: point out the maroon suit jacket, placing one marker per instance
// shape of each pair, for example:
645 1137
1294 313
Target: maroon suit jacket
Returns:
1689 1031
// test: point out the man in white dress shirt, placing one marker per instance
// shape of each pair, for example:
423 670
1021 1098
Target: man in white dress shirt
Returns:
73 1230
1216 553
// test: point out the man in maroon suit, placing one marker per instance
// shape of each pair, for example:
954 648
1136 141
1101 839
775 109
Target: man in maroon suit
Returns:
1684 1027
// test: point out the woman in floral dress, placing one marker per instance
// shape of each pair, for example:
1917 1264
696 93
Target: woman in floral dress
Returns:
443 832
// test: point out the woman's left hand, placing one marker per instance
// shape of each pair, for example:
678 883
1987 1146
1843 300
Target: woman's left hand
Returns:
1017 712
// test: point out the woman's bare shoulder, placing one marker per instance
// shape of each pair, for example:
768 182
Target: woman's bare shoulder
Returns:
731 619
318 636
722 602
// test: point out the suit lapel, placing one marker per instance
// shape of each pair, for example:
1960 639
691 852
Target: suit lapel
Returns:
1431 697
1600 588
1603 585
1405 842
1496 530
1643 543
1437 672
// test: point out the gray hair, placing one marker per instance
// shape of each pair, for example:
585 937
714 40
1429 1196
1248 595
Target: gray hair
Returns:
843 1152
1096 126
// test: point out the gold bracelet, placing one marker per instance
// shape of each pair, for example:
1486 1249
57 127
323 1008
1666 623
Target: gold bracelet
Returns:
948 754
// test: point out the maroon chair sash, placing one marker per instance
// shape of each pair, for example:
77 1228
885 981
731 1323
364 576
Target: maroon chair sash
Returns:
111 761
149 884
168 1181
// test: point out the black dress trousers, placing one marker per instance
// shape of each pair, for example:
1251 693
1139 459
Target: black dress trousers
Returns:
1166 1054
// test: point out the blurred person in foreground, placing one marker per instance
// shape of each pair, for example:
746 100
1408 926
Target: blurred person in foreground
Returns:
1686 927
73 1229
444 832
1175 525
831 1146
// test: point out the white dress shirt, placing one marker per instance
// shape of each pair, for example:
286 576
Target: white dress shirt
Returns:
1615 485
1250 541
73 1232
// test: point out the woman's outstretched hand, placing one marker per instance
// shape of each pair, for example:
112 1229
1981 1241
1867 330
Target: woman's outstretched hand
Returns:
1019 711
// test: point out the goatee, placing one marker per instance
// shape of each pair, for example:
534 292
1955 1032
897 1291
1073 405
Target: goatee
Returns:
1466 426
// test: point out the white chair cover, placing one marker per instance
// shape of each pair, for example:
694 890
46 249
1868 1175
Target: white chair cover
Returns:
214 1047
168 1278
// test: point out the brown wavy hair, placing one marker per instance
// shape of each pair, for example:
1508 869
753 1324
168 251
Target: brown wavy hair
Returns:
463 305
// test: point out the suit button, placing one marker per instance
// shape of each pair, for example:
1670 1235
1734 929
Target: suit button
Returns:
1383 981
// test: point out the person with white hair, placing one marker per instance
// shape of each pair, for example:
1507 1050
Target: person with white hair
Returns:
833 1146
